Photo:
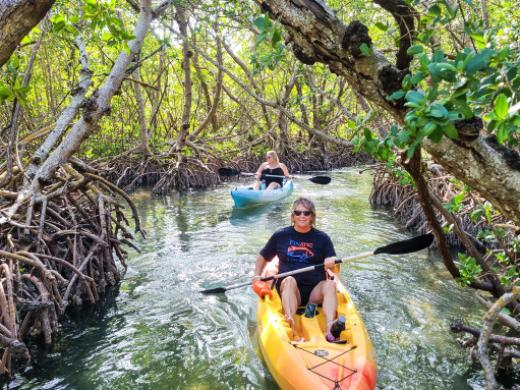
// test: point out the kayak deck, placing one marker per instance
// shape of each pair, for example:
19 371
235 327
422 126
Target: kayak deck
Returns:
305 360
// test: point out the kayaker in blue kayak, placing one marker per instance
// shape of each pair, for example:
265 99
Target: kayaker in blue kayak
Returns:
272 166
297 246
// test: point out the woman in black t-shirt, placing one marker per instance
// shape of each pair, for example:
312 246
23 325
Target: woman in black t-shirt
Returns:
272 166
298 246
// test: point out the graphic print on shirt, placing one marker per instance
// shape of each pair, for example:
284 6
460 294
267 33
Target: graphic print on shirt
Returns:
299 252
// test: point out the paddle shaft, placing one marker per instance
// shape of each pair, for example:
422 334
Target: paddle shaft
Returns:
262 175
316 267
234 172
302 270
401 247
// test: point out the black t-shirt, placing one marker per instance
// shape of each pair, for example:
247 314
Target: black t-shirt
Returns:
299 250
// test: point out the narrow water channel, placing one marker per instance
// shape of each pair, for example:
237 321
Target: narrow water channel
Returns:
158 332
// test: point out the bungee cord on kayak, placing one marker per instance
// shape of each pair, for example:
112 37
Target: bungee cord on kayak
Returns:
337 382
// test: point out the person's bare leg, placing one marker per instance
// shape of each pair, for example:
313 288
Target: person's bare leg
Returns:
290 300
325 293
272 186
256 186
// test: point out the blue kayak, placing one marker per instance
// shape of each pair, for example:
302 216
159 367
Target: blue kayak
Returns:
248 197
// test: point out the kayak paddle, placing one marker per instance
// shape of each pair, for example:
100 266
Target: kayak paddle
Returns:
233 172
400 247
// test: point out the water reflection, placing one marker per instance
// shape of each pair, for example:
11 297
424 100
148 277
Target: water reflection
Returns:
249 216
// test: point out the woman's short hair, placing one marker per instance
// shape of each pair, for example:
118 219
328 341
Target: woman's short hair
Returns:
308 204
273 154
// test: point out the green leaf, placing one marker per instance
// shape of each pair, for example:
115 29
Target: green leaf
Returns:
411 150
402 138
260 38
365 49
260 23
415 49
413 105
501 106
455 115
436 136
438 56
396 95
58 21
407 82
452 8
438 111
429 128
442 71
451 131
502 134
415 97
5 93
479 39
424 61
463 108
417 77
277 37
434 10
381 26
476 214
106 36
478 61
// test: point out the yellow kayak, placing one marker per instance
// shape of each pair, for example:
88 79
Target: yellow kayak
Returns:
305 360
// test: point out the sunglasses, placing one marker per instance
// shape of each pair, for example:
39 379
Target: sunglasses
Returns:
300 212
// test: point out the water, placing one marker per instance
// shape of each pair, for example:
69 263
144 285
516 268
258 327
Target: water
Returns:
159 332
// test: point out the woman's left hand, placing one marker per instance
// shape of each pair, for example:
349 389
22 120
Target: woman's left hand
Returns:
329 262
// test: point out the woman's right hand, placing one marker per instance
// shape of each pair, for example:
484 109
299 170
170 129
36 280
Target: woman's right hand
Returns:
261 288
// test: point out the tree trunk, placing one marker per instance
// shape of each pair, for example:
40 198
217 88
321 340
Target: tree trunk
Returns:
213 106
182 21
68 114
256 88
12 147
17 18
144 146
283 142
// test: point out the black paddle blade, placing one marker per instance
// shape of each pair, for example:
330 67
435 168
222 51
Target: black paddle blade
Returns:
216 290
228 172
320 179
407 246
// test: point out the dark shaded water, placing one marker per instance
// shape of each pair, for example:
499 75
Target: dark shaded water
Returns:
160 333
